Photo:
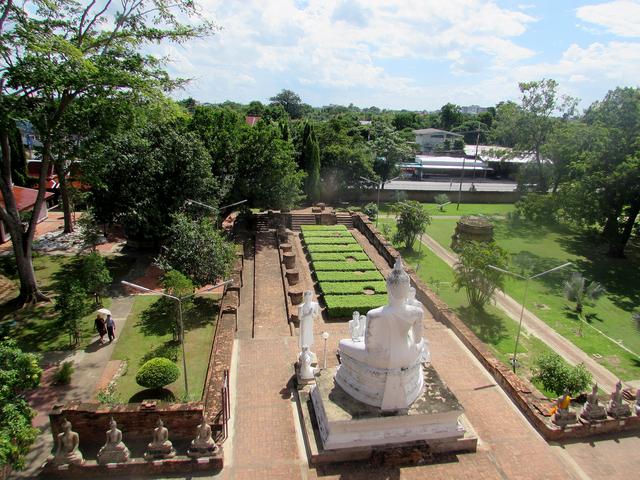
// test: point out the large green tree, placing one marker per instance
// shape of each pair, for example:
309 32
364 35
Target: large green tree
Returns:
311 163
390 149
54 52
19 371
291 103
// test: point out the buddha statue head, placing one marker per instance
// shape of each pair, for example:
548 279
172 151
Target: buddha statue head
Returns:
398 283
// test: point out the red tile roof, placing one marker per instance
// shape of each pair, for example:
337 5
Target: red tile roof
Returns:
251 120
25 197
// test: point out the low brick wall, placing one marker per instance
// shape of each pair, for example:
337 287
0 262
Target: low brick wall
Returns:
531 402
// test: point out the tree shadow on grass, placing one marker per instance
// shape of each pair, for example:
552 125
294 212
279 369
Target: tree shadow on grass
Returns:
161 394
168 349
161 317
488 327
527 264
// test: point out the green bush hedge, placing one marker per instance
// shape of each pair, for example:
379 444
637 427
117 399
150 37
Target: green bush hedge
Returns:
352 247
363 265
329 240
352 288
157 372
328 228
327 233
332 276
338 256
343 306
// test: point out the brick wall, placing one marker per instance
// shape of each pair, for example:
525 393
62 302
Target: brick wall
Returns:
522 393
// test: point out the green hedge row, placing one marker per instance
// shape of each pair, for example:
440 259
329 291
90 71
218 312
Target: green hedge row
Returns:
352 247
367 276
363 265
325 233
338 256
343 306
330 240
327 228
352 288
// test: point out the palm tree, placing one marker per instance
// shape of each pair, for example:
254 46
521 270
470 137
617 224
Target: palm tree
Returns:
576 290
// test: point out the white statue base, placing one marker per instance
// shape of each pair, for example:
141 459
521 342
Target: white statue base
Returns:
345 422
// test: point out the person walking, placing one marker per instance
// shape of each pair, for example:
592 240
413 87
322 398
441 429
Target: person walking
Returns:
100 327
111 328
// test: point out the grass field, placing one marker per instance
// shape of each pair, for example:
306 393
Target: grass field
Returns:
535 249
492 326
36 328
148 333
489 209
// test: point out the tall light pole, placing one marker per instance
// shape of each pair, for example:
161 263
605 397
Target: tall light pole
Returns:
524 299
179 300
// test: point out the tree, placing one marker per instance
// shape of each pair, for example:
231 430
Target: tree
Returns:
291 103
556 376
179 285
19 371
53 53
71 306
255 108
532 123
450 116
311 163
442 199
90 230
197 249
268 175
577 290
604 187
95 275
157 372
472 271
389 149
412 220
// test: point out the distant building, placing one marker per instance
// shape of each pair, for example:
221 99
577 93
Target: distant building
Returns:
25 200
503 161
426 166
365 122
473 109
251 120
429 138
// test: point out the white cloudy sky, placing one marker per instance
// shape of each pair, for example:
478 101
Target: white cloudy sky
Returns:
414 54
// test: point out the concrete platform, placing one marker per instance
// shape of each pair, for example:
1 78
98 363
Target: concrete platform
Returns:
403 434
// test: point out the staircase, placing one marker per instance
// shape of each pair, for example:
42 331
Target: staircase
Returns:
298 219
344 218
262 223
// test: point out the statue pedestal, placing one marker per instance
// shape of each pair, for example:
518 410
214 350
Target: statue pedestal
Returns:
344 422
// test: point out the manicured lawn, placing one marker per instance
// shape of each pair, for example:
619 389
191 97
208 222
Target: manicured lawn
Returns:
535 249
492 326
148 333
36 328
489 209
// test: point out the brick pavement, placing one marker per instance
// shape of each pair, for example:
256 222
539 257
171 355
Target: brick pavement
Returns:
264 433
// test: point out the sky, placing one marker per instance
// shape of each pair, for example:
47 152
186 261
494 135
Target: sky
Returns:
409 54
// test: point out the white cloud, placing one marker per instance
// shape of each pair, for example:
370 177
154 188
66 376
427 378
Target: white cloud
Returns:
621 17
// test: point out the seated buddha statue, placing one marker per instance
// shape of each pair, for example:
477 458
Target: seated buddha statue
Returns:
160 447
67 452
114 450
386 369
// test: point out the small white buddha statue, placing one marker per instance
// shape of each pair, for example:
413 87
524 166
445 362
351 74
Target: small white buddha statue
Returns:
67 452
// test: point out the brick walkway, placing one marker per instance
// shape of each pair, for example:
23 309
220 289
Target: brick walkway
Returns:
264 441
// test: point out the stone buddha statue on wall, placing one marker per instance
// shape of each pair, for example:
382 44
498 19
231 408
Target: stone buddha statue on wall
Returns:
386 369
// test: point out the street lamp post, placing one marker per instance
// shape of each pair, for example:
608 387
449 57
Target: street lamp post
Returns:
179 300
524 300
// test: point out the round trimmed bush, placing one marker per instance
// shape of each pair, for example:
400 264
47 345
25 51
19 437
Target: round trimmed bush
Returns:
157 372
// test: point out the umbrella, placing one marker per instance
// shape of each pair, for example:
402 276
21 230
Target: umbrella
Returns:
104 312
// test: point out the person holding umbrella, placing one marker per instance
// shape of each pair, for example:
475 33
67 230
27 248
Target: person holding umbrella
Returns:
102 325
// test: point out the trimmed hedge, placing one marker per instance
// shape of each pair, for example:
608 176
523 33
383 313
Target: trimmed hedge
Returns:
330 240
329 233
328 228
368 276
157 372
352 288
363 265
338 256
352 247
343 306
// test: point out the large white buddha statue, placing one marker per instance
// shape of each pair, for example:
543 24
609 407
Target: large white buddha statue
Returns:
386 369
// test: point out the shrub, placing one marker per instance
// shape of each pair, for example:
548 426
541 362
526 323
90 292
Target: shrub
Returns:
353 247
329 276
63 374
371 211
386 230
441 199
330 240
341 306
344 266
327 233
412 221
327 228
352 288
338 256
557 376
157 373
537 208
